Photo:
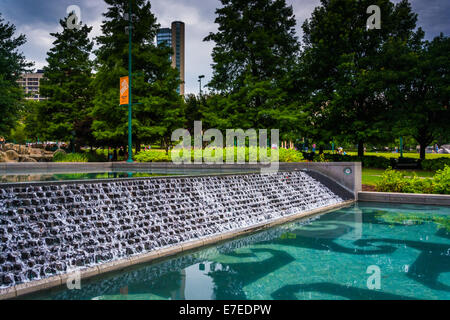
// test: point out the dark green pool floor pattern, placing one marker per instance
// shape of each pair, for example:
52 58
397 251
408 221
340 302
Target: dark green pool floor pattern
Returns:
331 257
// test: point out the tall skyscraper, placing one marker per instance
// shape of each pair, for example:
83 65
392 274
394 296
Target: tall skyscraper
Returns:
164 35
174 37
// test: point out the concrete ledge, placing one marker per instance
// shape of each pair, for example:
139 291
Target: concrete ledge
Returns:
409 198
351 180
145 257
8 293
38 285
55 281
114 265
192 244
170 251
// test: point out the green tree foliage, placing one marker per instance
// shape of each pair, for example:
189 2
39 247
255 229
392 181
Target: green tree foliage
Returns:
31 118
18 134
255 48
67 86
346 67
195 106
162 108
423 94
12 64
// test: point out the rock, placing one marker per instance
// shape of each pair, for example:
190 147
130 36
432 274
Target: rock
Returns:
2 156
23 149
27 159
36 151
12 155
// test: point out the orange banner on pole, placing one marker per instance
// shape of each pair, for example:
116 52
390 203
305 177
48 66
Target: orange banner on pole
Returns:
124 90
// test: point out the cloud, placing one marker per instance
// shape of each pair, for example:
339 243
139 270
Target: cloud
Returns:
39 41
36 19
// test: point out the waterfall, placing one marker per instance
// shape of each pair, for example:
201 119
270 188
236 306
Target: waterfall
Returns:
50 229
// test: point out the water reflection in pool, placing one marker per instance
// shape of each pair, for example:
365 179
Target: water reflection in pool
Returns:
323 258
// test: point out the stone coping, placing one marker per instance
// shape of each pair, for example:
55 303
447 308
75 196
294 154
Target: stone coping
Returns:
8 167
113 180
408 198
59 280
333 185
333 170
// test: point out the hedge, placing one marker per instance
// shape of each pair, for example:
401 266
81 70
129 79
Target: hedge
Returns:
435 164
395 181
381 162
285 155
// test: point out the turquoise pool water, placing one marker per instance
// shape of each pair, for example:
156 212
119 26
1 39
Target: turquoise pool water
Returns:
327 257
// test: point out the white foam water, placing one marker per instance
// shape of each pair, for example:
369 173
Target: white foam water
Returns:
49 230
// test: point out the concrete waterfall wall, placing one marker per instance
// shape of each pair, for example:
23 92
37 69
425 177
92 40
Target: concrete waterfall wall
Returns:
51 229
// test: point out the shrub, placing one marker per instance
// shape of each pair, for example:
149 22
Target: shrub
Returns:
435 164
417 185
391 181
375 162
96 156
395 181
59 154
382 162
152 156
285 155
70 157
442 181
290 155
367 161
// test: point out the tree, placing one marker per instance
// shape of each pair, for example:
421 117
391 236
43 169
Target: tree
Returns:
423 97
255 48
12 65
162 109
348 78
67 85
195 105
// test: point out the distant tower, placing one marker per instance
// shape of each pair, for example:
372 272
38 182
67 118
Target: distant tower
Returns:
178 49
174 37
164 35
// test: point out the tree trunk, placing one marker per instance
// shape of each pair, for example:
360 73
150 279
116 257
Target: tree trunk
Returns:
424 138
320 149
423 146
360 148
166 146
138 147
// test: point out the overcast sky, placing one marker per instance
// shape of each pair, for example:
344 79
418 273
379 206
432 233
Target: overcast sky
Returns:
37 18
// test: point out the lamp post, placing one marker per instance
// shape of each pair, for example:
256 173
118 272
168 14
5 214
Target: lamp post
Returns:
130 27
200 81
401 147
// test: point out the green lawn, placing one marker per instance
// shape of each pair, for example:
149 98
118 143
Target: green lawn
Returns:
406 155
371 176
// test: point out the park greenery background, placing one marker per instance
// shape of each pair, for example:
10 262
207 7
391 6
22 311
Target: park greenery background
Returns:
341 83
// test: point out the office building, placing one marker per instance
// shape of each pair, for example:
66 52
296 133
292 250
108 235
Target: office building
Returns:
164 36
175 37
30 82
